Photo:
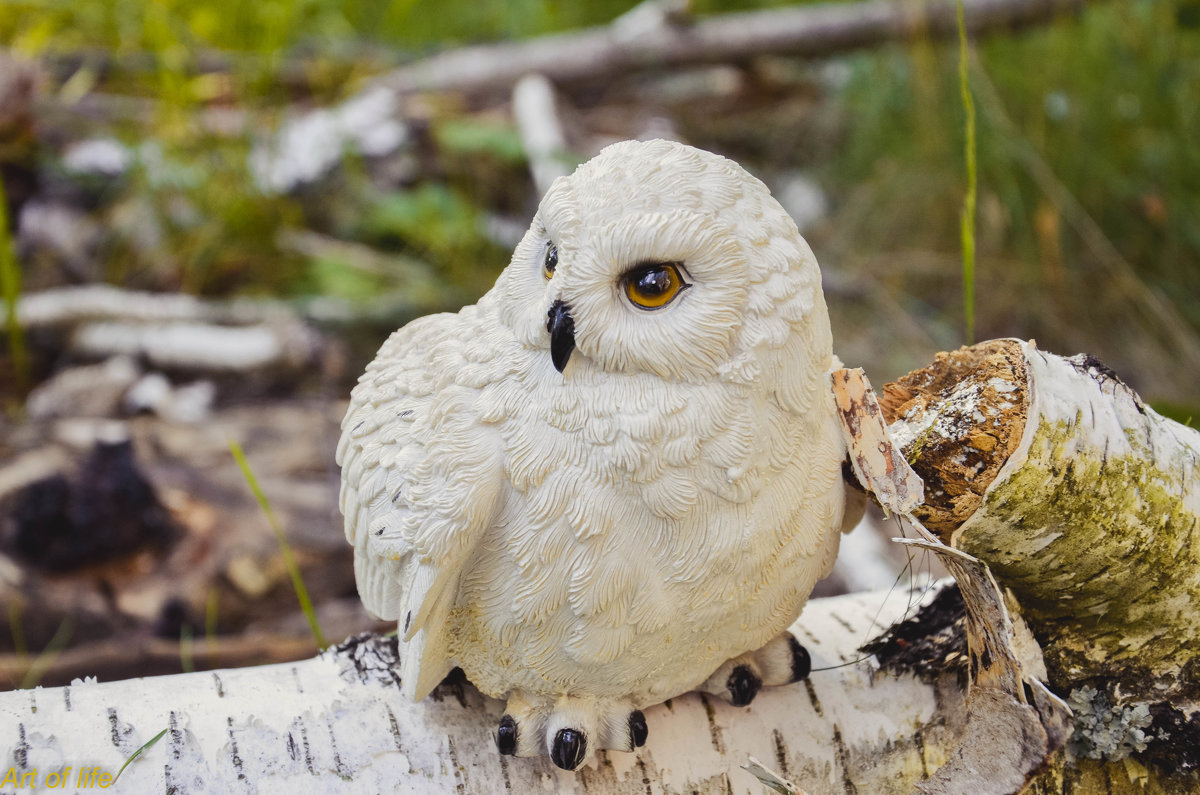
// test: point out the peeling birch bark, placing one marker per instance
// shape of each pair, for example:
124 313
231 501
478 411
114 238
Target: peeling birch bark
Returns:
337 723
1014 723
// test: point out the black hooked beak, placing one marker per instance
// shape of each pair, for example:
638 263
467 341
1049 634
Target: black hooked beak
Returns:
561 326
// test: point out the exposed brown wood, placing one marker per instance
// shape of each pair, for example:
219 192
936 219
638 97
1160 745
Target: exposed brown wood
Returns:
963 416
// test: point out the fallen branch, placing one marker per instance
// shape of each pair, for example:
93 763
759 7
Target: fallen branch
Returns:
173 330
808 31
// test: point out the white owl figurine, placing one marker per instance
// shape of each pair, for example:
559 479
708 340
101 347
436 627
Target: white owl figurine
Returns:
618 476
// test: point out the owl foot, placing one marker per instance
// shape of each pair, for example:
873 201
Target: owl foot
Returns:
782 661
568 728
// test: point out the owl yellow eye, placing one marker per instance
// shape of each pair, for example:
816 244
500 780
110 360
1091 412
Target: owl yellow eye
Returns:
654 285
550 262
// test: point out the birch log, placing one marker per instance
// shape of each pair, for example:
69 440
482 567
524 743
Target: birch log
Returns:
1085 504
337 723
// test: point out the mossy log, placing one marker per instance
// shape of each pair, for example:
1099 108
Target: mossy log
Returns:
1084 503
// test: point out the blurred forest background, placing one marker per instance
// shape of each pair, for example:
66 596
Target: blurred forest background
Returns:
247 154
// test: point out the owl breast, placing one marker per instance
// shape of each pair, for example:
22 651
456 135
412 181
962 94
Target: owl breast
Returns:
647 531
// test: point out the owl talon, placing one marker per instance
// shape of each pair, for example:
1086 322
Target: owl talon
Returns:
743 685
506 736
569 749
801 659
782 661
637 729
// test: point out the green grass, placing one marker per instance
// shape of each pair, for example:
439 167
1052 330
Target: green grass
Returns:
212 604
969 201
16 627
1083 156
10 289
145 747
39 666
187 660
285 549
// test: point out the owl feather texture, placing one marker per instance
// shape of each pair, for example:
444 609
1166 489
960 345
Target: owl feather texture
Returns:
617 477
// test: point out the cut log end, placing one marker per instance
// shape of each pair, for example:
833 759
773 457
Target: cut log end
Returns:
958 421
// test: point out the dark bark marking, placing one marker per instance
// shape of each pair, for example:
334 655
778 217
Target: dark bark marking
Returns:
645 776
292 749
919 741
812 697
175 750
233 750
504 772
338 764
175 743
116 732
843 761
845 624
714 731
308 760
781 755
459 771
395 727
21 752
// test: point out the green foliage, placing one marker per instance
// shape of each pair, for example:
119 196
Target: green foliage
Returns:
1107 98
269 28
472 137
969 201
438 224
1180 412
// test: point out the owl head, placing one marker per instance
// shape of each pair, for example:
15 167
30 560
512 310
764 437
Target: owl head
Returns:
659 258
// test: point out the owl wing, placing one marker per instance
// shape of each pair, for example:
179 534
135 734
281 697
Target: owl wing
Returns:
420 484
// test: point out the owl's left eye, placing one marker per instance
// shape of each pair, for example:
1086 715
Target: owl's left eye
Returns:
550 262
654 285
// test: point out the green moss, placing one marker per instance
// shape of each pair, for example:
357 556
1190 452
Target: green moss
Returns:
1099 551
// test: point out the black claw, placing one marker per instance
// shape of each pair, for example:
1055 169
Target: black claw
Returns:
743 685
570 746
506 736
637 728
801 661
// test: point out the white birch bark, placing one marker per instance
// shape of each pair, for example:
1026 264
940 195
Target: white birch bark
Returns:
320 726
